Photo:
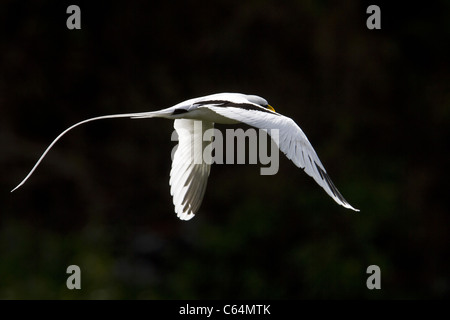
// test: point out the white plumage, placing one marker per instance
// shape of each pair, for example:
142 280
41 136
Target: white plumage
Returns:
190 170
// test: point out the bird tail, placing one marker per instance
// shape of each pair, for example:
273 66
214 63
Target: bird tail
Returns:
162 113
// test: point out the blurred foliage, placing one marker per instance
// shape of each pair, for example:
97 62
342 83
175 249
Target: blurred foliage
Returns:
375 104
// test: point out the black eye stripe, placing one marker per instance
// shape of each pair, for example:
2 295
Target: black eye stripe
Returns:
246 106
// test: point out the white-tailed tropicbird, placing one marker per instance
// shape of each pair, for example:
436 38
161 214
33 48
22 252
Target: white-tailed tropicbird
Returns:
188 178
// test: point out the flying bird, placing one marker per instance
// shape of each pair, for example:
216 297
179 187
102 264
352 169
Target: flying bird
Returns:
188 178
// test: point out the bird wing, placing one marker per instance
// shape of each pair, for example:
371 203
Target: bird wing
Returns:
292 141
190 171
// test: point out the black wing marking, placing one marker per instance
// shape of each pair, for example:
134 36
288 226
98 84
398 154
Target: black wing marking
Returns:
245 106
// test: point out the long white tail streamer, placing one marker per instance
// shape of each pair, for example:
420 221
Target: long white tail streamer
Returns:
125 115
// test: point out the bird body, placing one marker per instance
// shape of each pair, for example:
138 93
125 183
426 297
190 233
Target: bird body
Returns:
190 169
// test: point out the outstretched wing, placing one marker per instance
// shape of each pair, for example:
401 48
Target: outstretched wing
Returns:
291 141
190 171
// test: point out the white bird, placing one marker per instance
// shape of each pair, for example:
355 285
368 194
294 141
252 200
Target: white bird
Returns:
188 178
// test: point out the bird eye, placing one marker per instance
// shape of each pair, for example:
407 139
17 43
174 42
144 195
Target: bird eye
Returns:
270 108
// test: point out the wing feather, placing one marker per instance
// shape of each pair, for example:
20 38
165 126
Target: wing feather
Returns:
292 142
189 173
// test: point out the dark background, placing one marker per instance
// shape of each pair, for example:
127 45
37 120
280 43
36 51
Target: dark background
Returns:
374 103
